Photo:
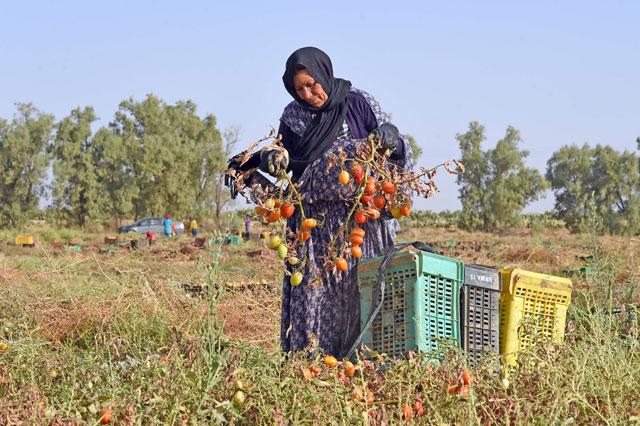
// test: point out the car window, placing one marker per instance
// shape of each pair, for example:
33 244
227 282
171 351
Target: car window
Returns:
156 221
145 222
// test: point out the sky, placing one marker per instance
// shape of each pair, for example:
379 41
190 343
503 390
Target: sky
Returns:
560 72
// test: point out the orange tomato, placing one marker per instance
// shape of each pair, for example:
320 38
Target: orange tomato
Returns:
287 210
261 211
405 211
357 231
274 216
418 408
330 361
452 389
356 239
341 264
349 369
303 235
343 177
407 412
369 398
379 201
360 217
277 203
466 377
356 252
388 187
106 414
309 223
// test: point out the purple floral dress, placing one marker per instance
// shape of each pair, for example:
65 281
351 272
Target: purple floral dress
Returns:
328 315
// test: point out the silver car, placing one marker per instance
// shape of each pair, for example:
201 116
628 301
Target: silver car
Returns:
153 224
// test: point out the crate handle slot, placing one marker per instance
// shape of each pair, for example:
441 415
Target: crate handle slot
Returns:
381 269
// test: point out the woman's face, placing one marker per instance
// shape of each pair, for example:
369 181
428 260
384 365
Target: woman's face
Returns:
309 90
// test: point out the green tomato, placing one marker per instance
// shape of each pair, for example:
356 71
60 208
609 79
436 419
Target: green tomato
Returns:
282 251
275 242
296 278
238 399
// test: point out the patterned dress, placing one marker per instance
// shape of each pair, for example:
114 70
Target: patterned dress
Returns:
328 315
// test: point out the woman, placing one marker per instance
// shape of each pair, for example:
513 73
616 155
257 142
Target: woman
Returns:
326 114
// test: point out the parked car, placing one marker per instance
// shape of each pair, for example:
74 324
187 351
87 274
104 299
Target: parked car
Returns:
153 224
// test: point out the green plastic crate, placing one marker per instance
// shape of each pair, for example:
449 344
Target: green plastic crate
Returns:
421 307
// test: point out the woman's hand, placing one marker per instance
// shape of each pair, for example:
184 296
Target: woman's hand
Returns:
387 136
274 161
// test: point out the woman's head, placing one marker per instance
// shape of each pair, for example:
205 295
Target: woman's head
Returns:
308 77
308 89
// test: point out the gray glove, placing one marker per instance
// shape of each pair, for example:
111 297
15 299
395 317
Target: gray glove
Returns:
387 136
274 161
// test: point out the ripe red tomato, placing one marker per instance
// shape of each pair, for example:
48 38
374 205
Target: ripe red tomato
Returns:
379 201
418 408
365 199
369 188
303 235
356 239
360 217
287 210
357 173
372 213
274 216
388 187
405 211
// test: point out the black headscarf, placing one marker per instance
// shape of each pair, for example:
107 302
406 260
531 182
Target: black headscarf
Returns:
324 128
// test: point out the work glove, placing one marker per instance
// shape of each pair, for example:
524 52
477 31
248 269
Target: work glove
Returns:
387 136
274 160
233 167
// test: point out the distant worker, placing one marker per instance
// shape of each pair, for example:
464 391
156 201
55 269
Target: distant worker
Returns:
247 224
151 238
193 226
168 225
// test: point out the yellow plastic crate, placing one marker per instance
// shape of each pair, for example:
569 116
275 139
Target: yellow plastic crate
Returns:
24 239
533 310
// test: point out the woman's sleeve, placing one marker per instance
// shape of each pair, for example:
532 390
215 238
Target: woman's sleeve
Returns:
372 121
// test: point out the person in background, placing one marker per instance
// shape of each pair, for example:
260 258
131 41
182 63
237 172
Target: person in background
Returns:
151 238
193 226
168 225
247 225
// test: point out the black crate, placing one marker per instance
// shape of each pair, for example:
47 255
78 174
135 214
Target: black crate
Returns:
479 304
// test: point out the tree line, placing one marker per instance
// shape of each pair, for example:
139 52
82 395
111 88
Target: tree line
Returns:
154 158
596 188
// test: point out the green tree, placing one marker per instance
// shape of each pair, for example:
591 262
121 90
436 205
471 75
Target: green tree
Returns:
75 185
114 174
415 148
496 185
23 163
596 181
174 156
